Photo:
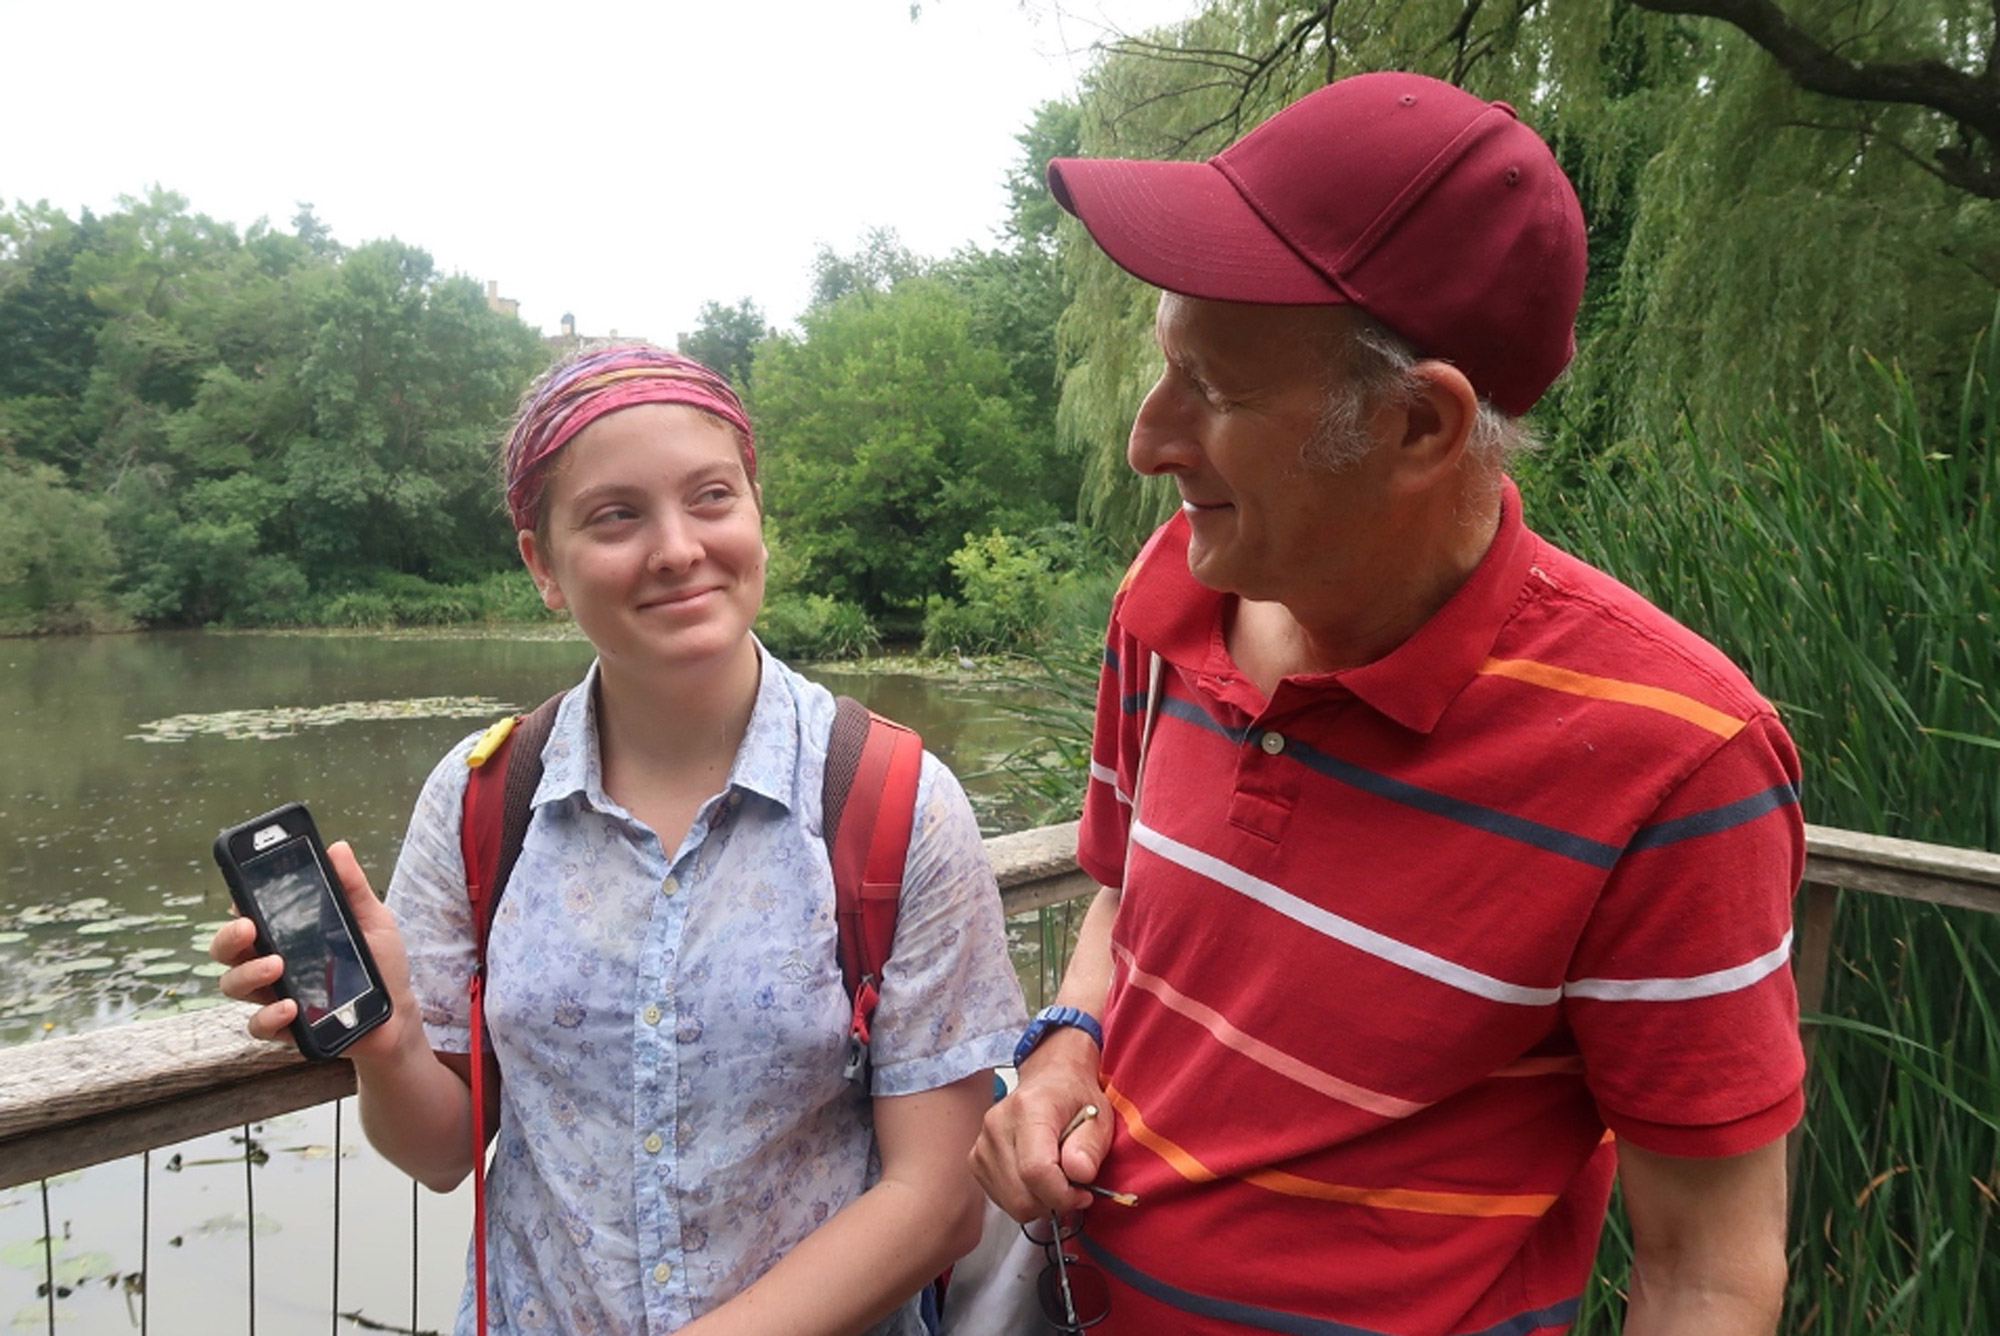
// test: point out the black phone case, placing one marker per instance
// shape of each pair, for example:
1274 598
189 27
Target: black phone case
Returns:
330 1035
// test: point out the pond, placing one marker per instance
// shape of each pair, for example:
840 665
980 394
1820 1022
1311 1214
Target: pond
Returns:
124 755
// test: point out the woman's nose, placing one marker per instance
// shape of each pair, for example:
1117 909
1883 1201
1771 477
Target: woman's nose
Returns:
675 547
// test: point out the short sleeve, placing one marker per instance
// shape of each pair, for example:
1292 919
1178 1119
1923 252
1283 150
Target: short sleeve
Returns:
428 898
951 1002
1680 993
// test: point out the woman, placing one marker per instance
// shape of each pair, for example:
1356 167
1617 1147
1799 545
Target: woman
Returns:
677 1148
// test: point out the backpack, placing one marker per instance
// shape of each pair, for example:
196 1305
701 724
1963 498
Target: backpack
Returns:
868 799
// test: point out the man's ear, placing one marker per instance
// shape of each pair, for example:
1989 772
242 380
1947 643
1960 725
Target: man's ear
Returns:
536 561
1437 421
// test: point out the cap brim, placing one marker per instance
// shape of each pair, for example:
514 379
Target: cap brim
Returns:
1182 226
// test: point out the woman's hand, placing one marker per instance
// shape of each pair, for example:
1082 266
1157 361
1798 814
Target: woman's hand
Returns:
250 976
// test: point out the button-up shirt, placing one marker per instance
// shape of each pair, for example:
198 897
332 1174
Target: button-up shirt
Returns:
671 1024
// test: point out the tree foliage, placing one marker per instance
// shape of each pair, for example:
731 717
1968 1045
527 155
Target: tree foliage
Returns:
890 432
725 338
261 419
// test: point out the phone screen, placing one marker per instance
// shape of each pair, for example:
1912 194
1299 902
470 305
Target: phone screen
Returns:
322 965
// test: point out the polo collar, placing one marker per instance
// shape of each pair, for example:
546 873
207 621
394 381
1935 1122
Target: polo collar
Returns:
1174 614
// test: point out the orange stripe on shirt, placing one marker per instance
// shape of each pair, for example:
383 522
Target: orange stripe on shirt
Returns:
1610 688
1477 1205
1263 1054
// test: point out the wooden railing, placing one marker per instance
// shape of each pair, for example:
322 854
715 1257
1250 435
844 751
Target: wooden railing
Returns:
80 1100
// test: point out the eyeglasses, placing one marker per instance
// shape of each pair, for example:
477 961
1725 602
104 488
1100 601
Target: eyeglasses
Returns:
1073 1293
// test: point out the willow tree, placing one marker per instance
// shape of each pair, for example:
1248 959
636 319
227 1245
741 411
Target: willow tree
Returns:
1748 236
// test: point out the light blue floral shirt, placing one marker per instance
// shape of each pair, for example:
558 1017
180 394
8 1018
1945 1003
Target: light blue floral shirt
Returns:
671 1026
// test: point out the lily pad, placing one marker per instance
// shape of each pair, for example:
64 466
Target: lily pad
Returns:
286 720
9 938
165 969
84 965
209 969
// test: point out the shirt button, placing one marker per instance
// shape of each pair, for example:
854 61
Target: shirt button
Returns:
662 1272
651 1015
653 1144
670 886
1272 743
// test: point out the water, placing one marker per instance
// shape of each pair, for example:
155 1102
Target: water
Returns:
120 759
124 755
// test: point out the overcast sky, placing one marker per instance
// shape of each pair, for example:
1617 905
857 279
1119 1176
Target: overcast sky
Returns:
622 162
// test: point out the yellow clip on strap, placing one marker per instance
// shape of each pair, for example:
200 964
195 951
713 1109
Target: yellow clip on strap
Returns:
490 741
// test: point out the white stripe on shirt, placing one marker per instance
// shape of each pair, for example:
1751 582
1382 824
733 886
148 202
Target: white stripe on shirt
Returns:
1686 989
1346 931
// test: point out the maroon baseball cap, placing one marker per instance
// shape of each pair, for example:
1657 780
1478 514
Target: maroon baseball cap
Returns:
1438 214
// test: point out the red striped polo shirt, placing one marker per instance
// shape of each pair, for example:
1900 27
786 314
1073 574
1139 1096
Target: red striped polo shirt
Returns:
1397 945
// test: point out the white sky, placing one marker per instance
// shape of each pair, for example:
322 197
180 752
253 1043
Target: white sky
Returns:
624 162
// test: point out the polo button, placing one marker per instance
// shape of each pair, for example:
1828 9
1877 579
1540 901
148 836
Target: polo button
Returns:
661 1273
1272 743
653 1144
670 886
651 1015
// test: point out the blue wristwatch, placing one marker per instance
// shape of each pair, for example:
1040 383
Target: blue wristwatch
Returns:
1050 1018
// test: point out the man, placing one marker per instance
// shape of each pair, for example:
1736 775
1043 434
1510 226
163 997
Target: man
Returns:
1458 876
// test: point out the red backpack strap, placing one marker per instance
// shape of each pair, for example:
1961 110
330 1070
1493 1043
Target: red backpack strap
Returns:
506 768
869 800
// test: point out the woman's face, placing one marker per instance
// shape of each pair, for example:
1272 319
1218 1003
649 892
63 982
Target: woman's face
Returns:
653 540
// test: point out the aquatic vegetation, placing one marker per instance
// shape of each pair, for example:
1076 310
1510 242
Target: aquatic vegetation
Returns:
285 721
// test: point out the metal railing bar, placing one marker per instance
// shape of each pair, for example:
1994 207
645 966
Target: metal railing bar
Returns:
415 1235
49 1257
333 1314
145 1241
250 1227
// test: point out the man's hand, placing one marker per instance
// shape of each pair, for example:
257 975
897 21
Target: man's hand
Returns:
1022 1159
1708 1242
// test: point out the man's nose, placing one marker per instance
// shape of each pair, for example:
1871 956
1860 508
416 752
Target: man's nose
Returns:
1162 440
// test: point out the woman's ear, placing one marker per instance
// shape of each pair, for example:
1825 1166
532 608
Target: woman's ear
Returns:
536 561
1437 422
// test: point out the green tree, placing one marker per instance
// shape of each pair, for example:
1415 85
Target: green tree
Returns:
407 384
725 339
889 433
56 561
881 262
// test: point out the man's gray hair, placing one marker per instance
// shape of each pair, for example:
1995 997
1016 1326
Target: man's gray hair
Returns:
1369 364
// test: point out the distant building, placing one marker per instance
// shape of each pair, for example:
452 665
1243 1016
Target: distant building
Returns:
498 304
569 341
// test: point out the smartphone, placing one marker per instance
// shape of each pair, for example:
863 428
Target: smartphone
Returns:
278 876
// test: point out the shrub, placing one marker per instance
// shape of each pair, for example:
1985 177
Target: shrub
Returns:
1006 583
814 626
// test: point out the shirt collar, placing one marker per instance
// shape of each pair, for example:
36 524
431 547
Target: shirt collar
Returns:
1417 681
1171 612
765 764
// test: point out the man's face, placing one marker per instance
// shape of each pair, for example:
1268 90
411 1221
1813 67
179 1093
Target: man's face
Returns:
1242 394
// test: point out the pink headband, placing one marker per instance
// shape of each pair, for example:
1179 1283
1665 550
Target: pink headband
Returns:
574 394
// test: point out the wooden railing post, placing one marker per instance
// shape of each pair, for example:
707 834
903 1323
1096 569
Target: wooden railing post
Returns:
1812 961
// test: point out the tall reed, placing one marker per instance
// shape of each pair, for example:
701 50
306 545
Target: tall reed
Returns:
1856 575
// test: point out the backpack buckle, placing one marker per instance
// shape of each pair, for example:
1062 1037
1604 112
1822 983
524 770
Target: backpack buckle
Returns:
857 1057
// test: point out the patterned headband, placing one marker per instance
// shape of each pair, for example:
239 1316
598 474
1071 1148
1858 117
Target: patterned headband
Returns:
576 393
